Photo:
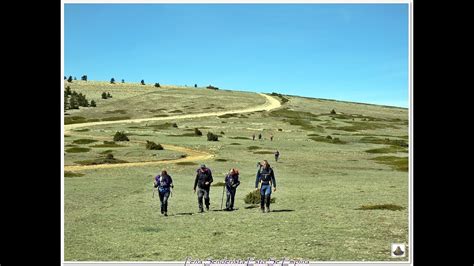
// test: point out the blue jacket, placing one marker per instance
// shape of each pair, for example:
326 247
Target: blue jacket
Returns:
265 175
163 182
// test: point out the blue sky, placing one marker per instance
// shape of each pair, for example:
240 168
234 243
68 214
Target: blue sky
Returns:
351 52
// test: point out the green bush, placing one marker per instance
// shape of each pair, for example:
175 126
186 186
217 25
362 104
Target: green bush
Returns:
120 136
77 150
254 198
212 87
157 85
212 137
333 112
150 145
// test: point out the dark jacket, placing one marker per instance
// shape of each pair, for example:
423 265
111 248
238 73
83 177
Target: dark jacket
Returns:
232 181
203 176
163 182
265 175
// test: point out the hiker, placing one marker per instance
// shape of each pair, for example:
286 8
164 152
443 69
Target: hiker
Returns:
277 155
164 183
260 136
231 184
271 137
253 137
266 177
203 181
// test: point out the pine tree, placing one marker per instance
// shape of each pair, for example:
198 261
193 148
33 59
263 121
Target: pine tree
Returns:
69 79
112 81
142 82
93 104
84 78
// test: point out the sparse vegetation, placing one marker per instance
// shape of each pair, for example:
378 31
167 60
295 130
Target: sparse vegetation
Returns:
84 141
72 174
212 87
397 163
254 198
187 163
390 207
120 136
150 145
77 150
212 137
197 132
108 159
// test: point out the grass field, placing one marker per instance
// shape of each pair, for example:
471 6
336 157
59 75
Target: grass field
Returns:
328 191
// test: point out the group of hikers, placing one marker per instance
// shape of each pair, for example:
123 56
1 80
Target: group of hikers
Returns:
265 177
260 137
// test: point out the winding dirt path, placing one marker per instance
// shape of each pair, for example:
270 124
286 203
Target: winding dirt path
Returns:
191 155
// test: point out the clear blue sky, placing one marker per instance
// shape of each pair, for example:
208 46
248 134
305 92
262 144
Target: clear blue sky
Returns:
351 52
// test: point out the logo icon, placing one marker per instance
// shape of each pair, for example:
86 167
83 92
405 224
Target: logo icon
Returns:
398 250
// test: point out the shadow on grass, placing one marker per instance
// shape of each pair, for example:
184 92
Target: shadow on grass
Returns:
282 210
183 213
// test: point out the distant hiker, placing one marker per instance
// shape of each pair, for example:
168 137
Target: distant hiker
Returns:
203 181
253 137
231 184
266 177
164 183
271 137
259 136
277 154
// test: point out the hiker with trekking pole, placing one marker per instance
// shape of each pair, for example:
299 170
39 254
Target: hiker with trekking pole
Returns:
164 183
231 183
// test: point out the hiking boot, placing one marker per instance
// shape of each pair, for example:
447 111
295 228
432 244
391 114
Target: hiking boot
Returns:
166 214
207 208
267 209
262 209
201 210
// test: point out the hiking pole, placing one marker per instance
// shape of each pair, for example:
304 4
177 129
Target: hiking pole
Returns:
222 199
153 193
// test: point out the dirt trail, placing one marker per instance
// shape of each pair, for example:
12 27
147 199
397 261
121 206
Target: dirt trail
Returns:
270 104
191 155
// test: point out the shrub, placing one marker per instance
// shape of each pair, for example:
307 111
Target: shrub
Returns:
150 145
280 129
174 125
197 132
391 207
120 136
212 137
93 104
69 79
77 150
222 133
72 174
142 82
108 95
112 81
84 78
254 198
195 85
212 87
104 95
157 85
333 112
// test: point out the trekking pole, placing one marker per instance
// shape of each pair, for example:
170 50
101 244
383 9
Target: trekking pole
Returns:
153 193
222 200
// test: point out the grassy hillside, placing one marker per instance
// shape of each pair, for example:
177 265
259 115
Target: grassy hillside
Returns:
327 186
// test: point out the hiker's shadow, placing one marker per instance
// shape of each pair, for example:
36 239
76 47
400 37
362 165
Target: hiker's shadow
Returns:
283 210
